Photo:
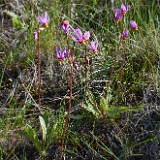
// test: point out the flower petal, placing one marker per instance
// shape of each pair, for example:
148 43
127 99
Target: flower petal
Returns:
86 35
78 32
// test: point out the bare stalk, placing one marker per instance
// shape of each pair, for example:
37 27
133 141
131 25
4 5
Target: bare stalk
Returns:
68 113
86 70
113 65
39 73
124 48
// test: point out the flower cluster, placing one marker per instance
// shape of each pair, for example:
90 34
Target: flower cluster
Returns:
77 36
121 13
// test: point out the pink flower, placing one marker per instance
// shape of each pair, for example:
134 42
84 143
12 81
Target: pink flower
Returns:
61 54
65 26
125 35
124 9
93 47
133 25
118 15
80 38
35 35
44 19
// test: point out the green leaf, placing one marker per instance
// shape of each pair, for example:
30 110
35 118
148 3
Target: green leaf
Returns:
46 118
143 142
105 148
50 135
104 104
44 128
31 133
128 108
15 19
92 99
91 109
114 112
11 14
16 23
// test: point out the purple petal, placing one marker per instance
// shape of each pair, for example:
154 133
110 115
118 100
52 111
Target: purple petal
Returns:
86 35
35 34
118 14
44 18
58 52
96 46
78 33
125 34
74 39
67 53
63 53
133 24
123 8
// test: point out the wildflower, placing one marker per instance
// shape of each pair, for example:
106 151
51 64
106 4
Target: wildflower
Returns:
80 38
94 47
124 9
44 19
133 25
118 15
125 35
65 26
67 54
35 35
61 55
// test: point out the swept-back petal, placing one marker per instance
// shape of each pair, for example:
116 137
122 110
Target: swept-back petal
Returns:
96 45
93 44
63 53
58 52
74 39
118 14
78 32
44 18
86 35
133 24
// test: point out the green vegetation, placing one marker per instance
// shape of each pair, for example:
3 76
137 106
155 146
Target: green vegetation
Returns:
115 109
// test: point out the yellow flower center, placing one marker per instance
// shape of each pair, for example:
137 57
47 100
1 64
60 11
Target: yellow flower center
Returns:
95 52
117 21
84 41
136 28
45 25
64 22
124 13
60 61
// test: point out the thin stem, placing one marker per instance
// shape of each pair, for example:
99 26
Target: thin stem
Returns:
123 22
124 47
113 65
39 73
68 113
86 69
124 57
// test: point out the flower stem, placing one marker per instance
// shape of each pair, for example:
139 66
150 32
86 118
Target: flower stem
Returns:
113 65
124 57
39 73
68 113
86 70
124 48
